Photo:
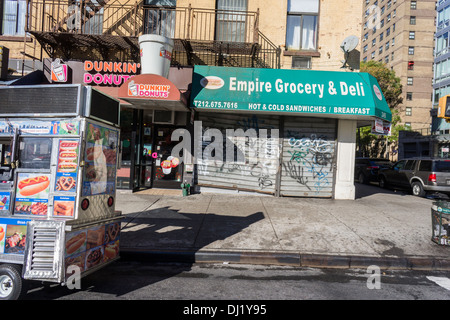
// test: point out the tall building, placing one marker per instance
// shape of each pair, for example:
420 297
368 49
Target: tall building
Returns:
441 83
400 34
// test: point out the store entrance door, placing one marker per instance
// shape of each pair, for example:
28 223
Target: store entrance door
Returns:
167 170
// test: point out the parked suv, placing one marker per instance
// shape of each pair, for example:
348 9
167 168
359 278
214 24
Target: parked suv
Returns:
366 169
420 175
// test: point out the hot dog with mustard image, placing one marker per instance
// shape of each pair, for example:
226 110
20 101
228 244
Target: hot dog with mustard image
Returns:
34 185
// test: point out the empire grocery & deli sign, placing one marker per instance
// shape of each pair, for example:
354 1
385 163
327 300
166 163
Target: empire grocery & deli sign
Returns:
293 91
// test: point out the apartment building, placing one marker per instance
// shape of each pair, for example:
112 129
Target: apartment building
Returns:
441 83
400 33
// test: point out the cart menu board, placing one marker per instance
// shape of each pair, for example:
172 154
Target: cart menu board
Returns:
66 178
100 160
12 235
32 193
88 248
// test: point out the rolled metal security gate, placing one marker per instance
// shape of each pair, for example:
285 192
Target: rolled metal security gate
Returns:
300 161
308 157
260 153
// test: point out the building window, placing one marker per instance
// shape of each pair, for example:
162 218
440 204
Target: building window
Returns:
413 5
409 81
393 41
410 65
161 20
381 36
230 26
409 98
14 17
412 35
301 62
407 124
412 20
372 55
380 49
374 41
386 59
408 111
388 31
301 28
386 47
411 50
365 48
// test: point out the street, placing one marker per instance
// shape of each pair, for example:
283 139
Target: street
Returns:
128 280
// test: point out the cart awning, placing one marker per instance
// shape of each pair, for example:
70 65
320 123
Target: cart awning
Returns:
348 95
151 91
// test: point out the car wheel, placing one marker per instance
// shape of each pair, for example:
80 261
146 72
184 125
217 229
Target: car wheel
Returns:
382 182
417 189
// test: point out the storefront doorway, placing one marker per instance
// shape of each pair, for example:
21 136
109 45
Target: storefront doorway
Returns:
146 160
168 171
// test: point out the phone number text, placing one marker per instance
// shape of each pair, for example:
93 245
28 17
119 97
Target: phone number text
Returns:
215 104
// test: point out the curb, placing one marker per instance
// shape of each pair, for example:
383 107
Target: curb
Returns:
287 259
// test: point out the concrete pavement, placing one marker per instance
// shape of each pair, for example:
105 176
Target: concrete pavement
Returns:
390 229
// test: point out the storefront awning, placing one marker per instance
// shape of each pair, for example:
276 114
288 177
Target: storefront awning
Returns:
153 92
347 95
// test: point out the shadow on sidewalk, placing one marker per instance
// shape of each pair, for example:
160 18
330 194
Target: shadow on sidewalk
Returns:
158 235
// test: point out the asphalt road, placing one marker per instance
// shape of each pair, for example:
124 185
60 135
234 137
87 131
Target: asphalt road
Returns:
127 280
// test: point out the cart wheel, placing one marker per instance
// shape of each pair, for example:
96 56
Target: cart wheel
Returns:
11 284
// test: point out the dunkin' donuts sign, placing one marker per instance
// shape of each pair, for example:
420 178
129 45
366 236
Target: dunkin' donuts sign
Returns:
148 90
109 73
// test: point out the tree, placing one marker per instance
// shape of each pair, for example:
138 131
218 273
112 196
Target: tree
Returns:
375 145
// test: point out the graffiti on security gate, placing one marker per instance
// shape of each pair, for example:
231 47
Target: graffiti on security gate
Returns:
311 161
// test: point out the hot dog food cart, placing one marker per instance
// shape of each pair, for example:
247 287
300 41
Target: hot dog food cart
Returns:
58 163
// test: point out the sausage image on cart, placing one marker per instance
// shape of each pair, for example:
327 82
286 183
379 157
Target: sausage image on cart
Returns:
75 242
94 257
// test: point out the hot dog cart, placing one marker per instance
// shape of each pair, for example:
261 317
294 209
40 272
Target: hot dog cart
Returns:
58 163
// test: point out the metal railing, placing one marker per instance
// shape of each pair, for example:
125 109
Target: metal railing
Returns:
126 19
103 17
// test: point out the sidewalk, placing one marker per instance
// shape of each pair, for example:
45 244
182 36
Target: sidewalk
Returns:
381 227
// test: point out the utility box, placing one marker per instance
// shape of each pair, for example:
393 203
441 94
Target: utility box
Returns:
4 60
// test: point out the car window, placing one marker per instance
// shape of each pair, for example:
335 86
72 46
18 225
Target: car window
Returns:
410 165
442 166
400 164
425 165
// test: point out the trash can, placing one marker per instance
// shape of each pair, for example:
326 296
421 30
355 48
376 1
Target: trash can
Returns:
185 187
440 221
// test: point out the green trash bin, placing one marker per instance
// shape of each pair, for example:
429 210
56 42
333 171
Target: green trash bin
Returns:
185 187
440 221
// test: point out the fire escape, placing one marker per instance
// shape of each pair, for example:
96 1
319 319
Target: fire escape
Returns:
108 30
